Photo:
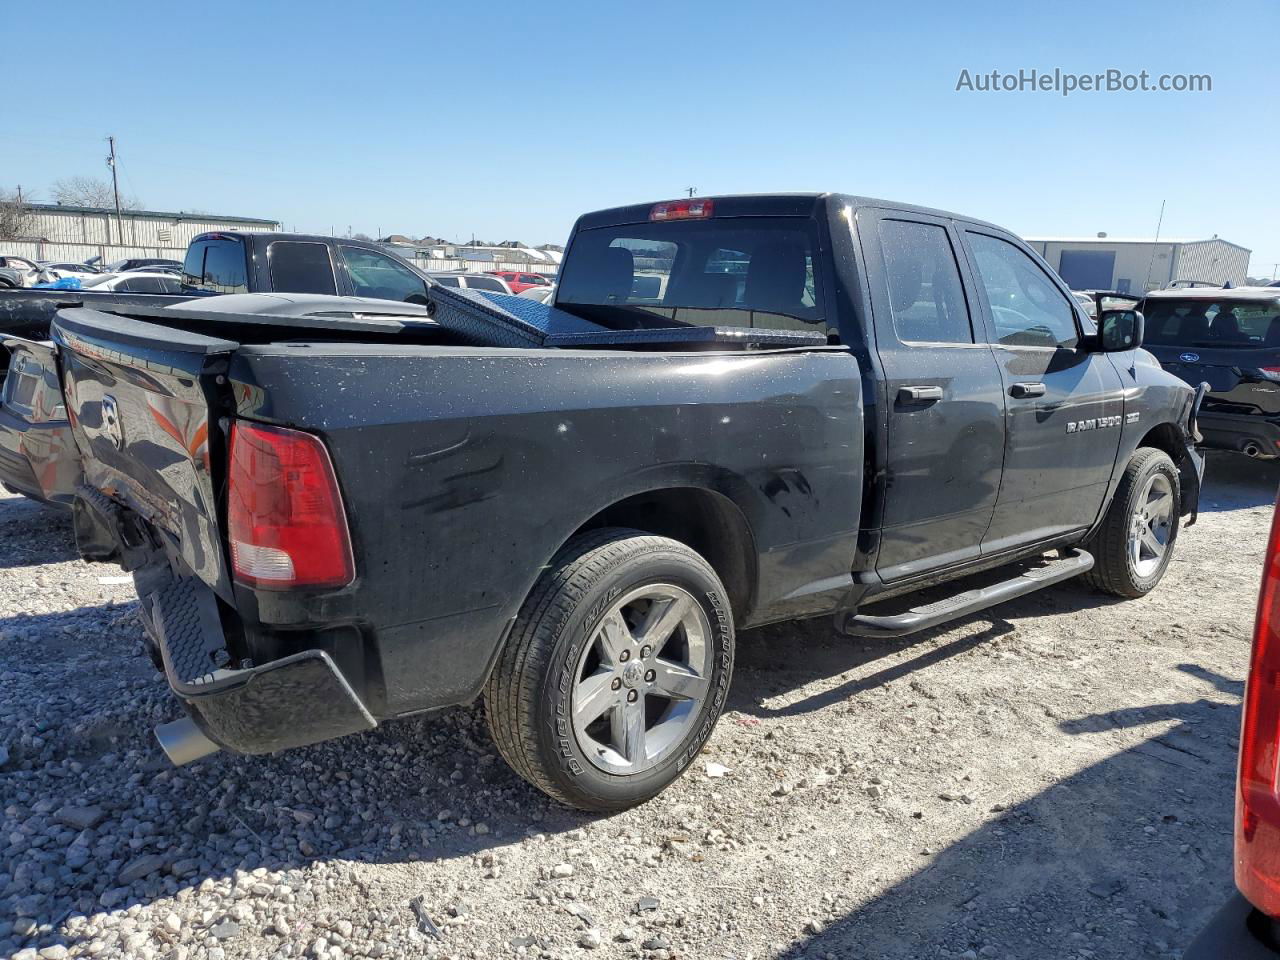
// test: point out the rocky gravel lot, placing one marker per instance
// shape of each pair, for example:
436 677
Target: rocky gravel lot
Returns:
1050 779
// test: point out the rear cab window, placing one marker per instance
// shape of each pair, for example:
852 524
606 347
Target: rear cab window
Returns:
1204 322
216 265
737 271
301 267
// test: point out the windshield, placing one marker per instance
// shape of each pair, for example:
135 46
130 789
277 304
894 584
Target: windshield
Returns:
1212 323
742 272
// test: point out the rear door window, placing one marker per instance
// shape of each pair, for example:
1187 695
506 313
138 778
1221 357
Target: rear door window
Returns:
380 277
926 295
486 283
149 285
301 267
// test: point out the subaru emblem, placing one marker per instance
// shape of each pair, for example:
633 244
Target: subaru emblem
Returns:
1189 357
111 424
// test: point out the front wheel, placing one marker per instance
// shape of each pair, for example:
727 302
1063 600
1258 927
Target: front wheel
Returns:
615 672
1133 547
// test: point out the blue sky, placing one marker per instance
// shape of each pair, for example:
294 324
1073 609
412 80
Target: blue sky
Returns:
507 120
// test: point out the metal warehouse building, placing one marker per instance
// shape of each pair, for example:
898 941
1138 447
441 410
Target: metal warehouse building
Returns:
1136 266
56 223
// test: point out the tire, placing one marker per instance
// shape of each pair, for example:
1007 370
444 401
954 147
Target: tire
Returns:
578 642
1120 567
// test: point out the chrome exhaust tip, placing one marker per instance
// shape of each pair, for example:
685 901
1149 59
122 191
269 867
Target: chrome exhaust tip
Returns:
182 741
1251 449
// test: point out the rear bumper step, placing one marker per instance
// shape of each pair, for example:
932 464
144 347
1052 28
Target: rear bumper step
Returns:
291 702
970 601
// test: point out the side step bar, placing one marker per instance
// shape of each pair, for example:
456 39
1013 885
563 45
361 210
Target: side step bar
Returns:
933 614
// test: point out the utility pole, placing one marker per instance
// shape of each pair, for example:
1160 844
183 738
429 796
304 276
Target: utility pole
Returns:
19 194
691 190
115 188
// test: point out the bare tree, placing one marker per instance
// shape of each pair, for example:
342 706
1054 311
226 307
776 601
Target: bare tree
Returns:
90 192
15 216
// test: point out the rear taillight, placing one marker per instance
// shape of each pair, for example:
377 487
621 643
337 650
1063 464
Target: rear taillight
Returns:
690 209
1257 800
284 513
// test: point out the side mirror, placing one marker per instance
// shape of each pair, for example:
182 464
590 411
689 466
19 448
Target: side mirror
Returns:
1120 330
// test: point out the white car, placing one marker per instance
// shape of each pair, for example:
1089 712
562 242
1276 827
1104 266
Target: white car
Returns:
134 282
541 294
472 281
18 272
52 272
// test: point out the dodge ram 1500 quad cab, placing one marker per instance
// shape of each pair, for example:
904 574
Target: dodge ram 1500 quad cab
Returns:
737 410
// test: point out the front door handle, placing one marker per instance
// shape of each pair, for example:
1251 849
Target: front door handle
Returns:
1024 390
926 394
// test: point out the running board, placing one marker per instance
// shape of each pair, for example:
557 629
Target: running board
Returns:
933 614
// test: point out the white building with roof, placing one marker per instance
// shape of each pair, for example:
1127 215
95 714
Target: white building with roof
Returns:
1132 265
62 223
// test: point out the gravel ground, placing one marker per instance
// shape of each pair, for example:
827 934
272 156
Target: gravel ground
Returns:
1050 779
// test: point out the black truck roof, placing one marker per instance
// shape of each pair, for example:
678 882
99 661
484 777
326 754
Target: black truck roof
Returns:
271 236
768 205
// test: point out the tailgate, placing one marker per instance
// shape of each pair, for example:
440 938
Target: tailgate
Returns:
139 397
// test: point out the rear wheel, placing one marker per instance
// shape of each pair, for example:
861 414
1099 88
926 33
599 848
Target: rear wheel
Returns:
616 670
1133 548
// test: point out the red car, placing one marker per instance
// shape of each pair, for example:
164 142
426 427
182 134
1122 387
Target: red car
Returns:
519 282
1247 927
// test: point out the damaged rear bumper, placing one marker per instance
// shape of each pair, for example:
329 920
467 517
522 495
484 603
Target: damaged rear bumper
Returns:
297 700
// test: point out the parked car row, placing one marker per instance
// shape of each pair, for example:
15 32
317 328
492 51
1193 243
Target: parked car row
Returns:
18 272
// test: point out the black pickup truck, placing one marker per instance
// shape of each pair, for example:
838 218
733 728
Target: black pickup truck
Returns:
37 457
744 409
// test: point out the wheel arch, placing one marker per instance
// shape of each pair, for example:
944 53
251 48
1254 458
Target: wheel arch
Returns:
1169 437
704 520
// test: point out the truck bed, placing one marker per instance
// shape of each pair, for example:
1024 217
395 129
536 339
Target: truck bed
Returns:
440 449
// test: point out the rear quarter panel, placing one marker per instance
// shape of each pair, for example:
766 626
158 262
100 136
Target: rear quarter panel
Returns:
464 471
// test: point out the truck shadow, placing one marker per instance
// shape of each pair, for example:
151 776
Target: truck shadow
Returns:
774 659
1082 867
32 534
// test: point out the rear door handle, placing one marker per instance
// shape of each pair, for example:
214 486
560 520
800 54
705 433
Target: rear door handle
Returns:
926 394
1023 390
